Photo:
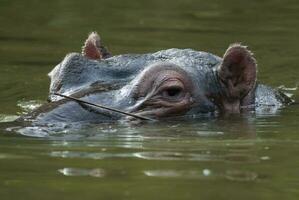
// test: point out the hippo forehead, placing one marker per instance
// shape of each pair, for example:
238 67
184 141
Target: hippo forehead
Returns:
76 72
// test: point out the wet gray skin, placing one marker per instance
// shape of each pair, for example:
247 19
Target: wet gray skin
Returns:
168 83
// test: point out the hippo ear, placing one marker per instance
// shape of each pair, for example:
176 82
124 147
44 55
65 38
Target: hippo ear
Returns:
93 48
237 75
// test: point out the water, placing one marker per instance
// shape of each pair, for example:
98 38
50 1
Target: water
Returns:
240 157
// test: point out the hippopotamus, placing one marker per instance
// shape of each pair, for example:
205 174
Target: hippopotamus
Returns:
167 83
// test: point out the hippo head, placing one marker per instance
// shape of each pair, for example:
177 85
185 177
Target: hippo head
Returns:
167 83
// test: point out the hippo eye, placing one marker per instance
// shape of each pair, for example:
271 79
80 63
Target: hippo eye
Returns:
172 92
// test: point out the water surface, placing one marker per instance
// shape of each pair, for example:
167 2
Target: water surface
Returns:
241 157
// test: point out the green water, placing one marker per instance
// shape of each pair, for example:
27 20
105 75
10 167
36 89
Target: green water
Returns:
241 157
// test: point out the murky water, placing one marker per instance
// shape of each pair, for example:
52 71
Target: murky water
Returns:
241 157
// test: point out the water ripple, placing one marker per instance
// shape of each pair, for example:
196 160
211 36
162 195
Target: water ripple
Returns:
232 175
189 174
96 156
13 156
97 172
28 106
239 175
8 118
164 156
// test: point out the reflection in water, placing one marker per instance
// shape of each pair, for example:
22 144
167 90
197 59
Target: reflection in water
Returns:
232 175
7 118
177 156
265 158
209 133
238 175
34 131
215 127
224 156
178 173
241 158
13 156
98 173
28 106
206 172
68 154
